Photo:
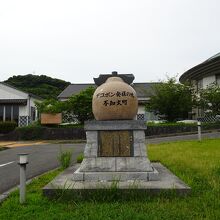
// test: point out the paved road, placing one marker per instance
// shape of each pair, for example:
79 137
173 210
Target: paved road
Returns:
41 159
44 157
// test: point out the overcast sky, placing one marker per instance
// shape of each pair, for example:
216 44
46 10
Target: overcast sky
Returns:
78 40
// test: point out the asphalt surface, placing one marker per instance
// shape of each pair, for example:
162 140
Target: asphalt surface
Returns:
43 158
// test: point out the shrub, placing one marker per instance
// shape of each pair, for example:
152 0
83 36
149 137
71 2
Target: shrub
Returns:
7 126
50 106
172 128
79 158
209 99
214 125
170 124
171 100
69 125
81 105
64 158
34 124
30 133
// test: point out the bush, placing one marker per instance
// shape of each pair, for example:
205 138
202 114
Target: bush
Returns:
79 158
70 126
34 124
171 100
7 126
154 129
65 158
50 106
30 133
214 125
48 133
81 105
170 124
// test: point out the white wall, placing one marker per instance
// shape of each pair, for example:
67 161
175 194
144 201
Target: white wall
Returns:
62 99
141 109
208 80
23 110
149 115
32 100
205 82
32 104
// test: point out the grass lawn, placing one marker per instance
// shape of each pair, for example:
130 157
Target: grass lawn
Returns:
198 164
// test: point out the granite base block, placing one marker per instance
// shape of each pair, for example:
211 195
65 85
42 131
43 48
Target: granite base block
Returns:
166 182
116 164
114 176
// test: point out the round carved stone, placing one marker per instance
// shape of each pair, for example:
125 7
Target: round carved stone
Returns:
114 100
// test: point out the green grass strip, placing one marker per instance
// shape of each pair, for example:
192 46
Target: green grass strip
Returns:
196 163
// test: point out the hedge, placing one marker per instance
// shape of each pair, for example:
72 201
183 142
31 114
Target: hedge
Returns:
71 133
7 126
177 128
49 133
30 133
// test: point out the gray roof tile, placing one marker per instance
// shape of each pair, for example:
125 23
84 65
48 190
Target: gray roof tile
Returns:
144 90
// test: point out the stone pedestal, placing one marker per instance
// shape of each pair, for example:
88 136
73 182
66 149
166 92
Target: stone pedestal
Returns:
115 150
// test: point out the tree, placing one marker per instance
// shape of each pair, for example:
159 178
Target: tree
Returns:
81 105
43 86
209 99
171 100
51 106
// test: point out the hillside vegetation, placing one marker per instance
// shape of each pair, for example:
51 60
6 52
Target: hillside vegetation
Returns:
40 85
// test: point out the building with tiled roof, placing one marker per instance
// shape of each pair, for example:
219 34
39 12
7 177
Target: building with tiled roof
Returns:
143 90
17 105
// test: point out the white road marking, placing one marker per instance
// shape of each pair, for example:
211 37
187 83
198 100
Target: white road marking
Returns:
5 164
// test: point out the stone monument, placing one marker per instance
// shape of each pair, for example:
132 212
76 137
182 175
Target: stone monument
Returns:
115 148
115 151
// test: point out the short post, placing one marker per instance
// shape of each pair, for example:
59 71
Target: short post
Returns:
23 161
199 131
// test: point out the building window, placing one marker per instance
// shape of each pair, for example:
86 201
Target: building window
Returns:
199 84
15 115
8 112
33 113
218 80
1 113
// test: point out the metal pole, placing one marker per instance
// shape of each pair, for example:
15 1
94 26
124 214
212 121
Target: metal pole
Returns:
22 183
199 131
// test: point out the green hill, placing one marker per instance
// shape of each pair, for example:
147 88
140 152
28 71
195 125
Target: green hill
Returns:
43 86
